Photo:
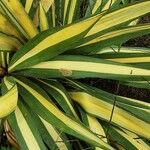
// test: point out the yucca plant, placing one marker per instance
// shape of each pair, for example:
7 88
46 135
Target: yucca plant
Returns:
45 47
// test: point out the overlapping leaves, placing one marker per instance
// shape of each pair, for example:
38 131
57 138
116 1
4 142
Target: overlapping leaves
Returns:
49 44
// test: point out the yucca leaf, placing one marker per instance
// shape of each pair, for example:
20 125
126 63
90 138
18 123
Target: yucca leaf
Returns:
8 43
46 4
126 139
35 16
8 56
8 105
128 58
82 67
140 105
3 60
51 43
97 6
7 28
103 110
143 114
60 94
139 57
73 11
116 37
109 3
52 11
106 95
121 55
49 112
120 101
77 39
94 126
20 20
24 128
28 5
138 139
31 7
59 139
53 15
115 50
53 138
42 18
115 18
93 7
64 9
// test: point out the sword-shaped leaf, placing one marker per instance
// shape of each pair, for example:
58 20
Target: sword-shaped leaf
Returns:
25 129
117 115
116 37
50 113
53 138
8 28
16 13
51 43
59 93
82 67
126 139
115 18
8 43
94 126
42 18
9 97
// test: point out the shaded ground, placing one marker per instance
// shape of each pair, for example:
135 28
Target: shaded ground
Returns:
112 87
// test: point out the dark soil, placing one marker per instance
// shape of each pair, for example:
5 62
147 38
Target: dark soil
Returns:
118 89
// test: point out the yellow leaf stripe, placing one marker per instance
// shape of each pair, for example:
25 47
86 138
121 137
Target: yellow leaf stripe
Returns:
43 19
58 37
16 12
28 5
46 4
66 120
101 109
111 50
53 133
131 60
3 61
72 11
9 100
96 6
8 43
64 96
66 3
120 16
96 127
131 137
116 33
91 67
7 28
108 4
25 130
